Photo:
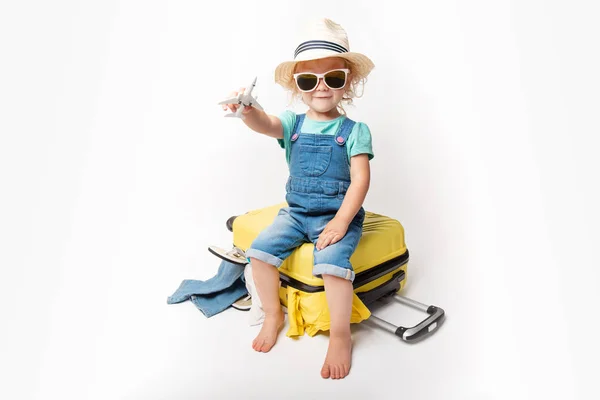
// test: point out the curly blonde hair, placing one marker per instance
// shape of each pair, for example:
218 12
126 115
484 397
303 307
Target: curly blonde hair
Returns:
350 90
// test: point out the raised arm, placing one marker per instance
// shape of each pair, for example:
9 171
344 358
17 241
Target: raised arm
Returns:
261 122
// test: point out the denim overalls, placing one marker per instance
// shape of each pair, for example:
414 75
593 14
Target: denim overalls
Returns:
318 181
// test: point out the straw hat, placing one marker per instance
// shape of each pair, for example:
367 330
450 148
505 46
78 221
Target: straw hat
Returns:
322 38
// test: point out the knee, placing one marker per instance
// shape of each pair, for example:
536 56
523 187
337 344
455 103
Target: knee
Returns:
259 264
337 279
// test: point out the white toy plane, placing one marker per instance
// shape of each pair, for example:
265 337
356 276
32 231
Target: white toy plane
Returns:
244 100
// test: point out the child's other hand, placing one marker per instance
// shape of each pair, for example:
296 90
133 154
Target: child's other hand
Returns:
333 232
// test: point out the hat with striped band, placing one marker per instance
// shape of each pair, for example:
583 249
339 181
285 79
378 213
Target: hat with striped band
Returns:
323 38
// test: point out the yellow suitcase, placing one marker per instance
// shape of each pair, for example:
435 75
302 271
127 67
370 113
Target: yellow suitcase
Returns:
380 263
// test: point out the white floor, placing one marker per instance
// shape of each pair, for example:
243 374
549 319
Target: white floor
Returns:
114 337
139 347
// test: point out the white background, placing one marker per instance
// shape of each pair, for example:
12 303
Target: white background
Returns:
118 170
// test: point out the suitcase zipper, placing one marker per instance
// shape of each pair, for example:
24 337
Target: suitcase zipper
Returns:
361 278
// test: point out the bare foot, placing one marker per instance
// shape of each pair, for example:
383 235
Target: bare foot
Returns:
338 359
268 333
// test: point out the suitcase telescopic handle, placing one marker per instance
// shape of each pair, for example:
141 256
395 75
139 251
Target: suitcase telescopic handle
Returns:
423 328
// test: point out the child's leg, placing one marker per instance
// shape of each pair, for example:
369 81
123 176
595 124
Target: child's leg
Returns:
339 293
266 280
267 252
333 264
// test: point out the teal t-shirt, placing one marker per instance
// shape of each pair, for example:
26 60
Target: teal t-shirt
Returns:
359 141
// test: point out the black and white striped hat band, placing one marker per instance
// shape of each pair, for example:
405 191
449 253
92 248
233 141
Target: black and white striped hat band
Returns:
319 44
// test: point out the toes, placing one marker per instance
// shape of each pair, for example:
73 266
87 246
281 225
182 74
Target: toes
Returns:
336 372
332 372
266 346
325 371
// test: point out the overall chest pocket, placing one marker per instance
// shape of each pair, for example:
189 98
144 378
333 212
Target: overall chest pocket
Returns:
314 160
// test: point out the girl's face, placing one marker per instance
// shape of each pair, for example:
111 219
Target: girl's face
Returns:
323 100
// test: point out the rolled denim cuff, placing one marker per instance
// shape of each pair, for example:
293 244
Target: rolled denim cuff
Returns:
330 269
262 256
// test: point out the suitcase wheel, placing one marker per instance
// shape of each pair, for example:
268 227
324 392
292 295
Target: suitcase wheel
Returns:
229 223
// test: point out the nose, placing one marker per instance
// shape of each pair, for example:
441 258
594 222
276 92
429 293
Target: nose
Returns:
321 85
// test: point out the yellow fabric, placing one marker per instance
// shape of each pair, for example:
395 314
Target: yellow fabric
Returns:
308 312
382 240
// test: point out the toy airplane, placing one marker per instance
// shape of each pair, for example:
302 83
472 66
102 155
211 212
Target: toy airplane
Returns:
244 100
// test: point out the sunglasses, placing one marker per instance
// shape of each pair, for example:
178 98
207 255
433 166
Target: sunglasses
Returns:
334 79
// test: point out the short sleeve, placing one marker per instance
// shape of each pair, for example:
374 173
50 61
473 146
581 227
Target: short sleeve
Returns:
288 119
360 141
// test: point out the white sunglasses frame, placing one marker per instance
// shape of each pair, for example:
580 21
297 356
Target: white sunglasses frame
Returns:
322 76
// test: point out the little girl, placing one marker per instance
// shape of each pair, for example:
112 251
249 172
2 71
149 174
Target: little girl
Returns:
328 157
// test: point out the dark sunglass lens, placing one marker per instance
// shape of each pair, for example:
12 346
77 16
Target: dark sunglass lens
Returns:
306 81
335 79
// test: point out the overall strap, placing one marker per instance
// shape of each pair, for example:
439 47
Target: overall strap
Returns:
297 126
344 132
